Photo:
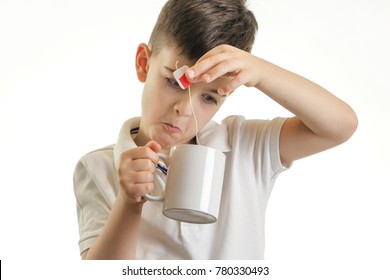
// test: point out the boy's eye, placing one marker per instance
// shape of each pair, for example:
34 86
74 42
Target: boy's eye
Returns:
209 99
173 83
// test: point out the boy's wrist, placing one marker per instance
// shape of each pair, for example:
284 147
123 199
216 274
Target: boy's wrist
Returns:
130 204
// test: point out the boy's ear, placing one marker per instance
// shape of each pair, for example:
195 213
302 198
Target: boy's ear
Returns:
142 61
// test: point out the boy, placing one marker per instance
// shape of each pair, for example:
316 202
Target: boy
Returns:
214 38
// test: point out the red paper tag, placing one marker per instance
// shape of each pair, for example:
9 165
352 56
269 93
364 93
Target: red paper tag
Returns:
181 78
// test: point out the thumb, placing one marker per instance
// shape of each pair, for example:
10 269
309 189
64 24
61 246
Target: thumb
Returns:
154 146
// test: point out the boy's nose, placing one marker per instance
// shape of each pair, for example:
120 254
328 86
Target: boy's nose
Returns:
183 106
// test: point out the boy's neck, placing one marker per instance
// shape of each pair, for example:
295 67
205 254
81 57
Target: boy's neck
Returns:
140 139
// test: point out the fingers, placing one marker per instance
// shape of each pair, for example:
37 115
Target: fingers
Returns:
136 185
222 61
137 165
134 193
210 66
232 85
154 146
203 67
136 169
149 151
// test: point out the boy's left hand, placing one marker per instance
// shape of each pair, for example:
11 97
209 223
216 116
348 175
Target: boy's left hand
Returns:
227 61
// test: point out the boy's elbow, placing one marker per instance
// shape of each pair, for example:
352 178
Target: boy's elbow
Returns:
349 127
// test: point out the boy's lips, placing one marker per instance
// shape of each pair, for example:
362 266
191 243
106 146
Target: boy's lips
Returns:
171 128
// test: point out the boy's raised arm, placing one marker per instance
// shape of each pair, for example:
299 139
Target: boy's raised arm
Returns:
321 119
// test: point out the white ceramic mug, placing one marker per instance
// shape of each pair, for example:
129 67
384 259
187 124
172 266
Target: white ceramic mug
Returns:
193 186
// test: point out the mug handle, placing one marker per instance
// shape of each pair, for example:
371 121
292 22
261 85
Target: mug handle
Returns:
161 184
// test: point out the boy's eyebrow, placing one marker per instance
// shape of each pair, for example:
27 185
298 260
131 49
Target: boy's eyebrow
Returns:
213 91
169 69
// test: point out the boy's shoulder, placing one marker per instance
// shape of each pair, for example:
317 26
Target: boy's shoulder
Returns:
102 157
99 152
95 176
235 130
239 126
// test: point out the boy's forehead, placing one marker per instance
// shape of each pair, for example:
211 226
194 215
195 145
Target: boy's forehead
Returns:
170 55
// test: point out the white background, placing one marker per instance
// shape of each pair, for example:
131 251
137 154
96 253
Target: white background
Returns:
67 82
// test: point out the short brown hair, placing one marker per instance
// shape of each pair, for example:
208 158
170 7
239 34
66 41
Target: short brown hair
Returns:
197 26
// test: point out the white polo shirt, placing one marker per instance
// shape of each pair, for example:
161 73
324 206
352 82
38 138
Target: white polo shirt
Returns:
252 165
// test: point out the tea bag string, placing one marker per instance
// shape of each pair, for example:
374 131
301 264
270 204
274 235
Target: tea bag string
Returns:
193 112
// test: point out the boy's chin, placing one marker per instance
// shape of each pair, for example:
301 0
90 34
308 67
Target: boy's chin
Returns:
167 142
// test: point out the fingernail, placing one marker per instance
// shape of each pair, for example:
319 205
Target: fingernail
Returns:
221 91
190 73
206 78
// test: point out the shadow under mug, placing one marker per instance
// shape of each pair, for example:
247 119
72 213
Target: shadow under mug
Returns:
193 186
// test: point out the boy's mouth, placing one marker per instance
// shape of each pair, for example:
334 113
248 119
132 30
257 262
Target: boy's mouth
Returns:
171 128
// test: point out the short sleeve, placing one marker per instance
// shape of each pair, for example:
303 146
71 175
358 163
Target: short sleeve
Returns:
94 188
257 143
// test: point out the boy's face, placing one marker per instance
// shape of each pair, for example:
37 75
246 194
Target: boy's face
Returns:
167 115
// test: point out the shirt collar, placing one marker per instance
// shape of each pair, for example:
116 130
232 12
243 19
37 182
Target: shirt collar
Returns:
213 135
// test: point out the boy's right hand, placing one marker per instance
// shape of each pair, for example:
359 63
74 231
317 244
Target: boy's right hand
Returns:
135 172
